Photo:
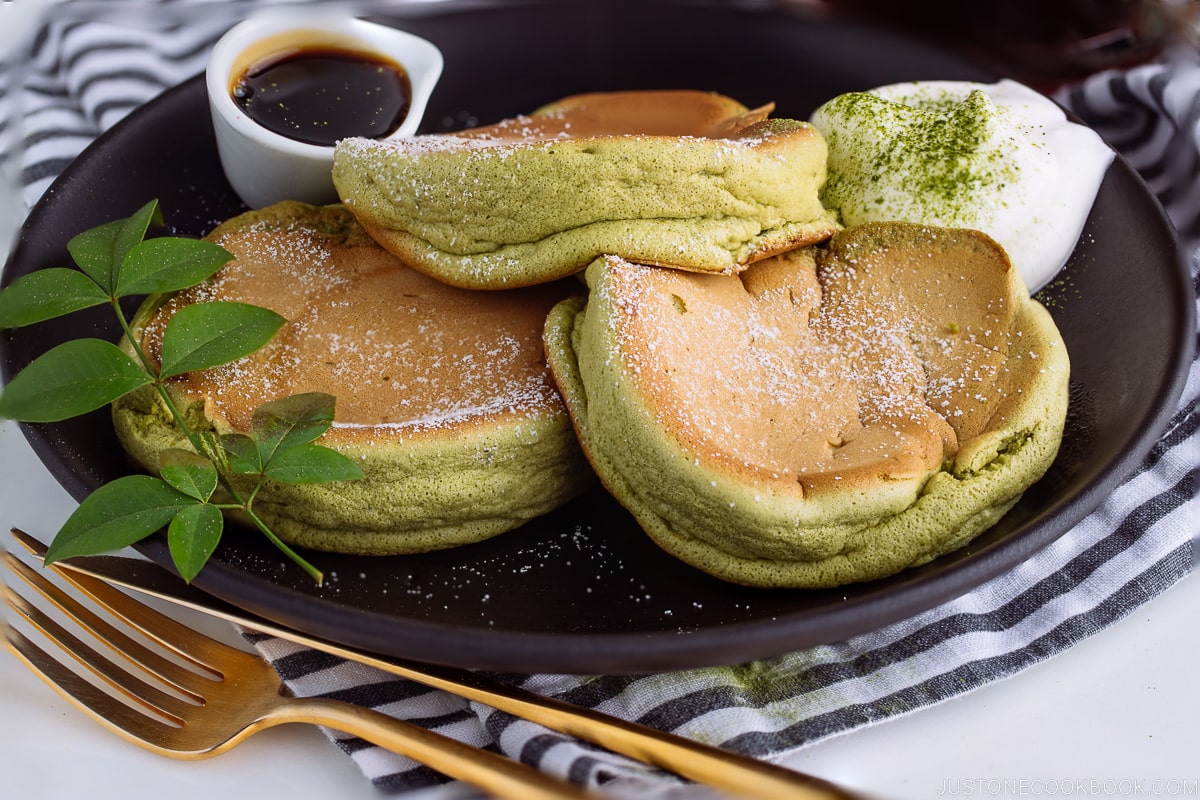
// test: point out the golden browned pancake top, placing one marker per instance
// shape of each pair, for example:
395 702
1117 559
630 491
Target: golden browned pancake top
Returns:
838 368
651 113
399 350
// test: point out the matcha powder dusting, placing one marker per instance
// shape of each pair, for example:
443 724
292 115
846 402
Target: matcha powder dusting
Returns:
996 157
930 161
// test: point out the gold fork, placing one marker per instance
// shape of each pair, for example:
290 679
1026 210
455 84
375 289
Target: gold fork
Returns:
736 774
212 696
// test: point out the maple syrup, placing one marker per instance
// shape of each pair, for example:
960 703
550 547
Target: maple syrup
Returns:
320 95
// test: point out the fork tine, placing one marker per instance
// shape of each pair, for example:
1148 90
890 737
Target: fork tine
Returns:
200 650
186 642
118 717
127 684
182 679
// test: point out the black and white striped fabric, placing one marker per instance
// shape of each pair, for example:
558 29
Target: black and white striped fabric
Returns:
92 62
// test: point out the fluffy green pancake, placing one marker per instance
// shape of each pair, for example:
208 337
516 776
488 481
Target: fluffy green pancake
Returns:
690 179
828 416
443 395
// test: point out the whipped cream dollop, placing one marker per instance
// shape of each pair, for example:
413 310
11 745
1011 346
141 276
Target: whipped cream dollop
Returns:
999 157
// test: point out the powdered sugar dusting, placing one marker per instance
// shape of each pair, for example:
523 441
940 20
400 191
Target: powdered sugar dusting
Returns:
400 351
796 370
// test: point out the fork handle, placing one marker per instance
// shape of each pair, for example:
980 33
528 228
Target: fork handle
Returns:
499 776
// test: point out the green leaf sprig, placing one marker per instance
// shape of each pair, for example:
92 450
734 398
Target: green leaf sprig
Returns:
196 486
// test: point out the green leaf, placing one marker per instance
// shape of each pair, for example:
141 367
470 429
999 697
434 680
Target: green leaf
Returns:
192 536
168 264
46 294
242 453
291 421
93 250
133 230
73 378
312 463
116 515
189 472
100 251
207 334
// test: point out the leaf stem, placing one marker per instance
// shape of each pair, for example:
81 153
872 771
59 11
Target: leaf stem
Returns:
201 446
153 371
316 574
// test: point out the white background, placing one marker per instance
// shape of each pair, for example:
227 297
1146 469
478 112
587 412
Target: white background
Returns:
1107 718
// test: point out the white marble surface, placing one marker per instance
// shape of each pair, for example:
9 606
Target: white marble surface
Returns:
1114 716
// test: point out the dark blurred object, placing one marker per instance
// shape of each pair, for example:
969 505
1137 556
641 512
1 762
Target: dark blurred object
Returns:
1044 44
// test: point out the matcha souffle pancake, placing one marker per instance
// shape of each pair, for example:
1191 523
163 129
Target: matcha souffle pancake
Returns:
831 415
443 395
691 179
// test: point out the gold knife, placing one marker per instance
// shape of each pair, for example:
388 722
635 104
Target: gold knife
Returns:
731 772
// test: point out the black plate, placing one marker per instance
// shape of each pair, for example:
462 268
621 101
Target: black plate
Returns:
582 590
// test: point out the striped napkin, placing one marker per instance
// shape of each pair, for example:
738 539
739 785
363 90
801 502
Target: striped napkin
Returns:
90 63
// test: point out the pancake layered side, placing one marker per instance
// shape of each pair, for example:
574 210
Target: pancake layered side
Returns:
683 178
828 416
443 395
